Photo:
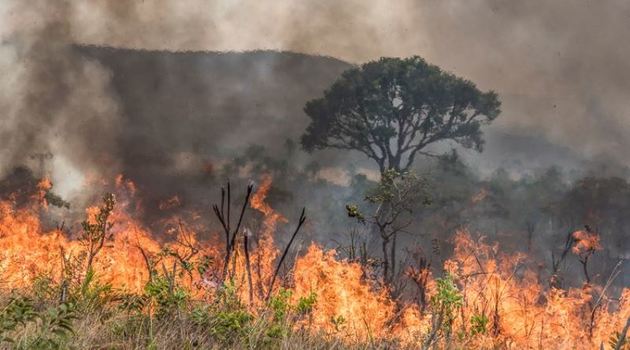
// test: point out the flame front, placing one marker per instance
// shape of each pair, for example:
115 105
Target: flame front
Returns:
503 300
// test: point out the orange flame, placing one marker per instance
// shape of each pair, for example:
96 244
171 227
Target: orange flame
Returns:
585 242
170 203
503 302
346 303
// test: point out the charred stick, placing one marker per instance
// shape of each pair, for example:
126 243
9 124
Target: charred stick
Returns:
228 248
284 253
584 263
229 205
222 200
249 269
240 219
557 262
219 215
230 236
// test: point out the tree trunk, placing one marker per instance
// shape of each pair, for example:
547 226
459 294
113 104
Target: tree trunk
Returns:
531 228
385 260
393 258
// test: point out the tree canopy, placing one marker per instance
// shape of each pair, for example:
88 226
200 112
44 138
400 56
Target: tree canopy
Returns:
392 109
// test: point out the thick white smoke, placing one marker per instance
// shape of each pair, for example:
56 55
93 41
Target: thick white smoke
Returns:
53 101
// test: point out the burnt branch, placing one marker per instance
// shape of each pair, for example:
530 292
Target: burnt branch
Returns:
223 214
284 253
248 267
556 262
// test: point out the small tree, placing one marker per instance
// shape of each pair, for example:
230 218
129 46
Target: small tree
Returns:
392 109
395 197
97 232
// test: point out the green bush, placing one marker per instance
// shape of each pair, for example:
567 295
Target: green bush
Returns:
47 329
305 304
166 296
228 326
479 324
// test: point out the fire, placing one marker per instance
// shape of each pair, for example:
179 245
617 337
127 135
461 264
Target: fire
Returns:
27 250
43 186
263 257
496 300
346 302
272 218
170 203
503 302
519 309
479 196
585 242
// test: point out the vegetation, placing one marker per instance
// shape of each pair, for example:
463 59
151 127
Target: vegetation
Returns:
229 295
392 109
394 200
462 308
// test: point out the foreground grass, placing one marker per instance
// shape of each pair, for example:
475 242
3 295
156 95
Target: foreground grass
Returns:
95 316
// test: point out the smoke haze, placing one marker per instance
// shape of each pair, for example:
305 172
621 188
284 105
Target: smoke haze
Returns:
560 67
53 101
166 91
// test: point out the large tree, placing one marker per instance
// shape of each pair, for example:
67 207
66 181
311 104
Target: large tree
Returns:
393 108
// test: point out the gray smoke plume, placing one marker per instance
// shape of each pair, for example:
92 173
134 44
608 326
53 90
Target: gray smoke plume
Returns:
54 102
93 88
559 67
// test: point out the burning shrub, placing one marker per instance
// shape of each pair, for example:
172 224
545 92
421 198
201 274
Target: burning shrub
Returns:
342 293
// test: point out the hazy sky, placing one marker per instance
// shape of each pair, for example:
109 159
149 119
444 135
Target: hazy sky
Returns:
561 67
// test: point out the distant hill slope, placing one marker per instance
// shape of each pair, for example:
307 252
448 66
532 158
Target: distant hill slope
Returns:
211 102
197 95
182 109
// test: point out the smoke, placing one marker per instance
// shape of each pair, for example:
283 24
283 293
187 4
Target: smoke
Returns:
558 66
54 102
163 118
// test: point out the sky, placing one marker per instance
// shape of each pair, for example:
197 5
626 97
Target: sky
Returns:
560 66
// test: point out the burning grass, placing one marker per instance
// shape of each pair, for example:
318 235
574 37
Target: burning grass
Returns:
114 285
